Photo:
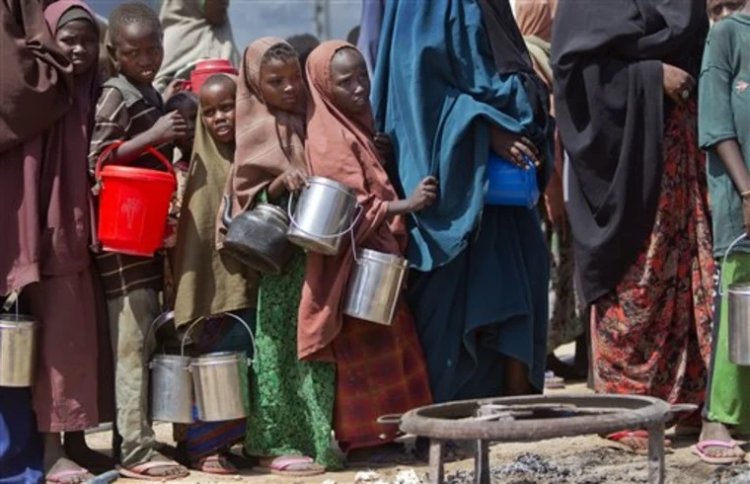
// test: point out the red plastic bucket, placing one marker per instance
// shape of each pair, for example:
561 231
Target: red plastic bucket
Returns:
207 68
133 205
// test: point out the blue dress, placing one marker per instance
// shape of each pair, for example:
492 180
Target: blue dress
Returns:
20 443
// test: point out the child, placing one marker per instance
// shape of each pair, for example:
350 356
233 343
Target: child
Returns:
131 110
207 283
291 402
724 130
341 146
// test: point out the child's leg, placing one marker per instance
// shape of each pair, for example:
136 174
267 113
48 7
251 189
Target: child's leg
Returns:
130 316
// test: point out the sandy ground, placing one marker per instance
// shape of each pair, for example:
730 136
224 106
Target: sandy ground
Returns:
580 460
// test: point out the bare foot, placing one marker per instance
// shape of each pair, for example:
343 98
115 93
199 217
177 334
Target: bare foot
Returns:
65 471
717 431
77 449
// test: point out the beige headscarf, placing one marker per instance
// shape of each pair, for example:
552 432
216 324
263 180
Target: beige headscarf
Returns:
268 141
534 18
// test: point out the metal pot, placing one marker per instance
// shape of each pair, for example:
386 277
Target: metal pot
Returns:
739 315
374 286
324 215
257 238
17 350
171 384
219 379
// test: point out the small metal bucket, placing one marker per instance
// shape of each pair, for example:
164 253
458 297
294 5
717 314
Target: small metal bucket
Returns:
218 382
739 315
17 350
325 213
374 286
171 384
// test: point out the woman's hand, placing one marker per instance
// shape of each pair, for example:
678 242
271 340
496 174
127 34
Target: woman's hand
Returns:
513 147
294 180
424 195
678 84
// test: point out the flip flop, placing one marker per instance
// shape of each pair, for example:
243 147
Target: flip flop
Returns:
699 449
218 464
617 437
280 466
61 476
140 471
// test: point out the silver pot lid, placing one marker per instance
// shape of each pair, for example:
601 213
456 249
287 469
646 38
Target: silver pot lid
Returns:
381 257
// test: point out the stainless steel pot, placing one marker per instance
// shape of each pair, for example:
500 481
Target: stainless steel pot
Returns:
739 315
17 350
324 215
171 383
257 238
220 382
374 286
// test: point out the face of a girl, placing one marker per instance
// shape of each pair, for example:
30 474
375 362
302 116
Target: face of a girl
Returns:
281 84
218 110
79 40
351 83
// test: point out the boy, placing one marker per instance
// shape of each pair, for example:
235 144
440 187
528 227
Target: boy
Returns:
131 110
724 131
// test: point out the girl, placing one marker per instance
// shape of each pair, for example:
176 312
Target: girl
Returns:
380 370
208 283
291 401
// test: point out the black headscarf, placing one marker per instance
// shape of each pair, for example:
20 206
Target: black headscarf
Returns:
607 59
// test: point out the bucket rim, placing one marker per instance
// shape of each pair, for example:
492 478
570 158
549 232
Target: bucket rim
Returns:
17 319
321 180
739 288
129 172
218 357
382 257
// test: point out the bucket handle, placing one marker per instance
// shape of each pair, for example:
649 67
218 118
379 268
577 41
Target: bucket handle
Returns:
157 323
107 152
250 361
724 261
354 223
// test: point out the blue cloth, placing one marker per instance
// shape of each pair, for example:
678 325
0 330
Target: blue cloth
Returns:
20 443
481 293
369 31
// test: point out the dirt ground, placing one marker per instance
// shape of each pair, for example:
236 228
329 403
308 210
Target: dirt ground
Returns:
579 460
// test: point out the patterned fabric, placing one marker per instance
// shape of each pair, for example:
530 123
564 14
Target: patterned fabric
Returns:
291 401
123 112
652 335
379 370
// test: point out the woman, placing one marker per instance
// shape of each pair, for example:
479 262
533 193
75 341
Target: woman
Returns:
534 19
380 369
291 402
472 89
637 193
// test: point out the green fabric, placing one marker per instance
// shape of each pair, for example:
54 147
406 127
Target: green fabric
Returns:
291 401
724 113
728 399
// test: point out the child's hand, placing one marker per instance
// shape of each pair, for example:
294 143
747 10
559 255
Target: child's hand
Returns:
424 195
384 147
678 84
294 180
168 128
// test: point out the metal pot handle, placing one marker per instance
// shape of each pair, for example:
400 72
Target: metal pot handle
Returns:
390 419
250 361
157 323
724 261
354 223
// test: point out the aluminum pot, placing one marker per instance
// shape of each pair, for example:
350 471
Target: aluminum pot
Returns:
324 215
374 286
739 315
171 383
219 380
257 238
17 350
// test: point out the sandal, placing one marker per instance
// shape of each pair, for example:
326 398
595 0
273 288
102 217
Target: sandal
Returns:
215 464
293 466
140 471
62 477
699 449
617 438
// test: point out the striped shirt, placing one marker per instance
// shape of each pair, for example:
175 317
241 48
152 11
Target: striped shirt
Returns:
123 112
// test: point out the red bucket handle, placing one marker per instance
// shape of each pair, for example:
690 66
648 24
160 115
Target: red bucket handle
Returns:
107 152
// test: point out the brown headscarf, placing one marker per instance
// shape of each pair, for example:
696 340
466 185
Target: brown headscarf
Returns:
269 141
35 73
534 17
341 148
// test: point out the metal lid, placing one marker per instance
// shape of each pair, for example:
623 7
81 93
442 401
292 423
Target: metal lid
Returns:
740 288
382 257
11 319
271 210
319 180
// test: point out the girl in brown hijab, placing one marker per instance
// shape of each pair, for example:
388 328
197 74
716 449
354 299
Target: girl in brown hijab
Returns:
291 401
380 369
